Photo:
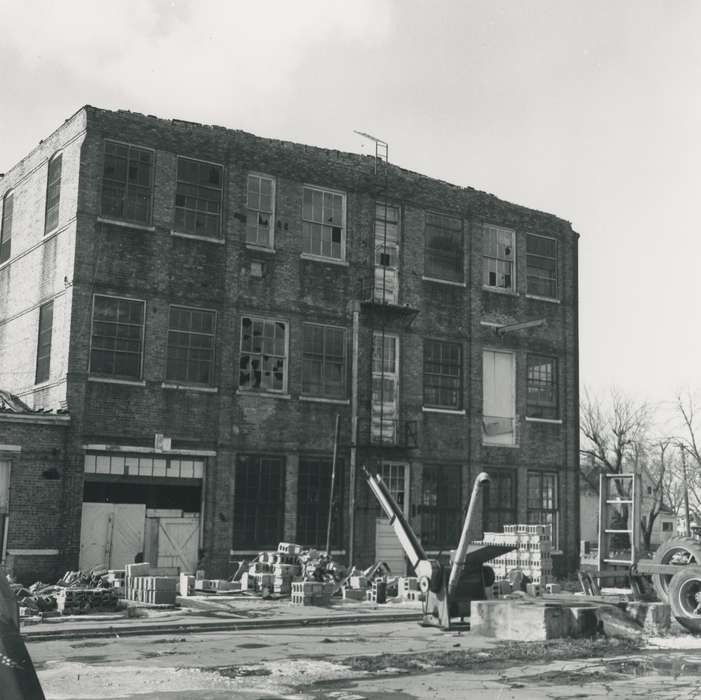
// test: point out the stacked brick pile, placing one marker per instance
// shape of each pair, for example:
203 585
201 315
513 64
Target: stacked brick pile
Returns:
153 590
312 592
70 601
533 556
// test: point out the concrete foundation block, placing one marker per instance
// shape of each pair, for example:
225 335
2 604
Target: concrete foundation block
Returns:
584 621
519 620
655 618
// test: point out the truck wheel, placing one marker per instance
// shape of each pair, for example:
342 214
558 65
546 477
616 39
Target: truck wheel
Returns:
677 550
685 598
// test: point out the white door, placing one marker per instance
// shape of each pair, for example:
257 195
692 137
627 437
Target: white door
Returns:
386 253
111 534
498 406
385 388
178 540
387 547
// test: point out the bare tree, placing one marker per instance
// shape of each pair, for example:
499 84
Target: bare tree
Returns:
659 480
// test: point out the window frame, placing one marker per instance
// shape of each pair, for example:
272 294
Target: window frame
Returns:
151 186
6 225
496 229
431 252
532 512
457 406
91 371
286 371
555 280
343 227
445 515
212 358
53 193
540 408
182 227
317 510
270 245
43 359
306 391
501 510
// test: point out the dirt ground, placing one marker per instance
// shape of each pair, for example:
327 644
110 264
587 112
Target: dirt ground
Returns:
401 661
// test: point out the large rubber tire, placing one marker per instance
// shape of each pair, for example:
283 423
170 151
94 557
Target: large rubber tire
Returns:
677 550
685 598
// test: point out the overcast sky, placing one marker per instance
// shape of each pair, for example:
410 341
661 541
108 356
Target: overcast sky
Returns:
589 110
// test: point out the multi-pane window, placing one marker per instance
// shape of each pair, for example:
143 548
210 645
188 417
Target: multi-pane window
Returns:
441 511
259 502
127 182
6 227
198 198
190 345
386 253
543 502
263 358
313 492
442 374
498 257
135 465
443 255
541 266
542 387
53 193
260 201
46 317
324 223
117 337
499 500
324 362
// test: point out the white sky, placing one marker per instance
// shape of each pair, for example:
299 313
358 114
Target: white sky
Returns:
589 110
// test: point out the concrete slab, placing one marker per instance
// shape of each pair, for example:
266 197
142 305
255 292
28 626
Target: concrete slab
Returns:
519 620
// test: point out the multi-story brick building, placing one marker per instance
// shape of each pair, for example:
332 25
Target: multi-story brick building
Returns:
204 303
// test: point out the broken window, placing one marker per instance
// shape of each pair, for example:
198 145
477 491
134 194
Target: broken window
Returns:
499 500
324 223
498 257
127 182
324 362
443 255
313 490
53 193
190 345
263 357
117 337
6 227
198 198
46 317
441 509
260 201
259 502
442 374
543 501
542 387
541 266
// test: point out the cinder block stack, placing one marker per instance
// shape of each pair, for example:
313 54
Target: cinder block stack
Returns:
311 593
154 590
378 592
76 600
532 556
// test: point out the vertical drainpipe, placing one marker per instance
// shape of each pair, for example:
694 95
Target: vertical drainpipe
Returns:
354 432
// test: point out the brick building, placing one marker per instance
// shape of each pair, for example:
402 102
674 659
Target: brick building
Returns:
205 302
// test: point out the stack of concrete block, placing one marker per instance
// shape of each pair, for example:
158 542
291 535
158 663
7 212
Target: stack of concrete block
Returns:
409 588
74 600
378 592
311 593
532 556
216 585
186 585
154 590
293 550
116 579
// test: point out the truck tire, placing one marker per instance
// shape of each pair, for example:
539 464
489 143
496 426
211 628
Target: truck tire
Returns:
677 550
685 598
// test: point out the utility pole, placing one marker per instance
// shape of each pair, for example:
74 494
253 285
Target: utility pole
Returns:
686 493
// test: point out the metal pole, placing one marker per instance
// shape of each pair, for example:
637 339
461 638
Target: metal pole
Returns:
354 432
686 493
333 484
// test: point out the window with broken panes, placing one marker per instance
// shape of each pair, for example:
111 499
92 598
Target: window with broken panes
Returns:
116 342
147 466
541 266
323 223
442 374
263 356
190 356
53 193
499 504
198 198
441 510
259 502
260 202
542 387
443 254
543 501
6 226
324 361
313 491
46 319
127 183
498 255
